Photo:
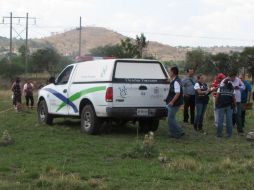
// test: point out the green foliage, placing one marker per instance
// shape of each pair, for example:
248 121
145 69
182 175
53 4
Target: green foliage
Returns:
206 63
11 69
141 43
127 48
227 62
108 50
181 64
48 60
45 60
195 59
247 58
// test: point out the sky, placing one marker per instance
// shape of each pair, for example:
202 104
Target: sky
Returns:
173 22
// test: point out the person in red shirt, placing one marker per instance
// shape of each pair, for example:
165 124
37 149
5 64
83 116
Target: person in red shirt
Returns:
215 86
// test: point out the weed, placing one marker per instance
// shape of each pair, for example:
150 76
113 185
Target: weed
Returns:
6 139
186 164
162 158
227 164
146 149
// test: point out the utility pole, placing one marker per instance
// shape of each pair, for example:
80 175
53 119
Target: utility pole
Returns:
11 17
10 35
26 42
80 28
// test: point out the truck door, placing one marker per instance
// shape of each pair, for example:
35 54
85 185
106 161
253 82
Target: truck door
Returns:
58 96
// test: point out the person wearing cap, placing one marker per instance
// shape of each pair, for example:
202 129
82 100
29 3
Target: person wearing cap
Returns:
189 96
215 86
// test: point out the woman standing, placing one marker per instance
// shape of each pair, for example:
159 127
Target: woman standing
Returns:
201 100
17 93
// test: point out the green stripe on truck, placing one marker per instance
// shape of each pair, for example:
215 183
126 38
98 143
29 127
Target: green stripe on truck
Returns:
80 94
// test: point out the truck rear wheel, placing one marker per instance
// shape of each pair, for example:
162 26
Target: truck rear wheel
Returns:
154 124
43 115
90 123
148 125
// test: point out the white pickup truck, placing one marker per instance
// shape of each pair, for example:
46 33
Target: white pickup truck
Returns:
105 90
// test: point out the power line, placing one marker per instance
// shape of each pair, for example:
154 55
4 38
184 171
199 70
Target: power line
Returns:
27 18
189 36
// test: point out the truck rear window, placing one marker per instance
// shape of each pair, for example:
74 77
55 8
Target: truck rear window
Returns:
129 70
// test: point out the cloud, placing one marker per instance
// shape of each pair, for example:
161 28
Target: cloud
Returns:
161 19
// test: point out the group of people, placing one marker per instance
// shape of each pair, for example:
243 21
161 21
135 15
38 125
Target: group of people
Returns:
230 94
18 91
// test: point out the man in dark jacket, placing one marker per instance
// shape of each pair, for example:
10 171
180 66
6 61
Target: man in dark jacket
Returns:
174 101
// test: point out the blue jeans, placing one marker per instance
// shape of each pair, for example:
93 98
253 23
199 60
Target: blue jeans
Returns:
239 117
174 128
200 112
228 111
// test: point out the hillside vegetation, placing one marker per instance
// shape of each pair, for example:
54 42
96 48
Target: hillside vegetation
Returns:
92 37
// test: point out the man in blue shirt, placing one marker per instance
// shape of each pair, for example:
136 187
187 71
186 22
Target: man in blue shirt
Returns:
245 95
189 96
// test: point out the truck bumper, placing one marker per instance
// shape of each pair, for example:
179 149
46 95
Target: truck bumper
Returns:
123 112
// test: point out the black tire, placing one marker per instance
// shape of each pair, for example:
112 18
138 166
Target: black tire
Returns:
143 126
148 125
43 114
154 125
90 123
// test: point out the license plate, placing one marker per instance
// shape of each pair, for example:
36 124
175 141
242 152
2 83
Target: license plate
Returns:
142 112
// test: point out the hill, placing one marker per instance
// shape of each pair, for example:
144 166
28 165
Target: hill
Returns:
67 44
92 37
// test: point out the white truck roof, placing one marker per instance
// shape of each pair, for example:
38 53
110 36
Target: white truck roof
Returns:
102 70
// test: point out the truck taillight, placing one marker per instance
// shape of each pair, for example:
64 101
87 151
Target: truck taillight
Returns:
109 94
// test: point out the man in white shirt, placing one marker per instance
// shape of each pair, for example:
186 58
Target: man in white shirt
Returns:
238 87
28 91
174 101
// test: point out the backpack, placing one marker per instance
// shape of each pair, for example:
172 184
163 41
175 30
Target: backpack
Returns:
29 89
16 89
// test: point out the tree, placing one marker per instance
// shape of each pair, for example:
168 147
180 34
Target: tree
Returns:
107 51
10 70
195 58
226 63
141 44
221 62
127 48
247 58
45 60
200 61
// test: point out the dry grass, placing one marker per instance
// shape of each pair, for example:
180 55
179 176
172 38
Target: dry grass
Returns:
53 178
186 164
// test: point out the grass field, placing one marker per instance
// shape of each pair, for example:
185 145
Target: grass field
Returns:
61 157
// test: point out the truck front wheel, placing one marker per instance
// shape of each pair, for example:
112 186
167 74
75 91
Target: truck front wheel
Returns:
43 114
90 123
